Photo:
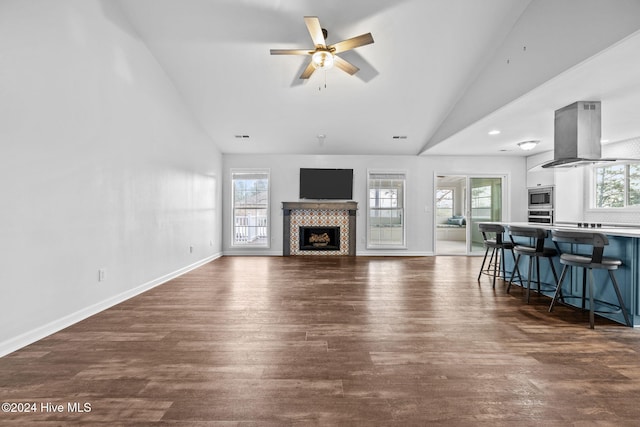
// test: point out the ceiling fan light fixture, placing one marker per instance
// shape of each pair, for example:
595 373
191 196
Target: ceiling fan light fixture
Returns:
322 60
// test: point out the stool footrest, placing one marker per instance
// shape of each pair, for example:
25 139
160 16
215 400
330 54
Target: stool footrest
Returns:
613 308
522 282
489 272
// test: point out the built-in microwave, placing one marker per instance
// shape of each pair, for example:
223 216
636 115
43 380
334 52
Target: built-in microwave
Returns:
541 198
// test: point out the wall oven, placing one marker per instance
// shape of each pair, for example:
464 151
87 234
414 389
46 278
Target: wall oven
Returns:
541 198
544 216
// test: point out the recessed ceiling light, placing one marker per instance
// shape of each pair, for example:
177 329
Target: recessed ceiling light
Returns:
604 141
494 132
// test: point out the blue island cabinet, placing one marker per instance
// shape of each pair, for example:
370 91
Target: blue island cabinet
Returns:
624 248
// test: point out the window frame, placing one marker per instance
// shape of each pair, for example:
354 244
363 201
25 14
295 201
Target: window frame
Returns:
402 209
257 171
625 196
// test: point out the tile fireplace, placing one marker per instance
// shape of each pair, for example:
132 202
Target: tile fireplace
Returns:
319 228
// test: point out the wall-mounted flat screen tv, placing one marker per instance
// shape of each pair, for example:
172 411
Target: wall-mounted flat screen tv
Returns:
333 184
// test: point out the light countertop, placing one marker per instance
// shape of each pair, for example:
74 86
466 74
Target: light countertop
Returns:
623 231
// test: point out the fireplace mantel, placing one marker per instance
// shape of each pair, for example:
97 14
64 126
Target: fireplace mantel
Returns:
350 206
320 213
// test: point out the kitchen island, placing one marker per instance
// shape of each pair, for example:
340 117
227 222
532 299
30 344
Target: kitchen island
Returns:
624 244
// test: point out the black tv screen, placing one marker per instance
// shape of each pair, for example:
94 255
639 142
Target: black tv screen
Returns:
336 184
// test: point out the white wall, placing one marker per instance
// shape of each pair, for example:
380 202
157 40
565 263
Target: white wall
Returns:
101 168
420 191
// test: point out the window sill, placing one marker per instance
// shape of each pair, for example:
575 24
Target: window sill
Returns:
387 247
611 210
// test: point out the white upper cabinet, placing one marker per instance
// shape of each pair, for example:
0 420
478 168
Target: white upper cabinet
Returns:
536 175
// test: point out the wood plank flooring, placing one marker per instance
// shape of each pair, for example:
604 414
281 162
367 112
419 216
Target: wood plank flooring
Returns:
274 341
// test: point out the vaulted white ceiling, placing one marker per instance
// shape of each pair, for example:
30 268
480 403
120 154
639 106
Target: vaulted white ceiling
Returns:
441 72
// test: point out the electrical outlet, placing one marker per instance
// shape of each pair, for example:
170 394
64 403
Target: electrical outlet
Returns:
102 275
190 249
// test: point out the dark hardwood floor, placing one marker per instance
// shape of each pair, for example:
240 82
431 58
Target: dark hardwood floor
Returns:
330 341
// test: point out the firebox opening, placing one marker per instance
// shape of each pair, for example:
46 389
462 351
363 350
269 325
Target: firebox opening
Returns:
319 238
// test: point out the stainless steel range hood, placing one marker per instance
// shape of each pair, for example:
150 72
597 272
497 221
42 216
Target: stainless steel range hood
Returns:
577 133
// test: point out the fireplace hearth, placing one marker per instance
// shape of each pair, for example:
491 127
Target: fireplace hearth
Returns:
319 238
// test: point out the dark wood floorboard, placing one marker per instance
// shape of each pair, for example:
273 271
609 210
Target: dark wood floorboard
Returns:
274 341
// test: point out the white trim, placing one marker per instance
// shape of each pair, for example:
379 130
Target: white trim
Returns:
394 253
249 252
375 252
626 209
16 343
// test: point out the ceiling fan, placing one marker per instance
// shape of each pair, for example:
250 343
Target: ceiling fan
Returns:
324 57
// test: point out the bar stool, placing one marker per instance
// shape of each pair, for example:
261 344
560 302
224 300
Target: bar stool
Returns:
533 252
588 263
497 246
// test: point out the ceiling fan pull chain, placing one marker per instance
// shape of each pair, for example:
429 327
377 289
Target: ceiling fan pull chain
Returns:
325 82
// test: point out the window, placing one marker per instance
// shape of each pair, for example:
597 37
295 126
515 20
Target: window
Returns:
617 186
633 191
481 202
385 227
444 203
250 207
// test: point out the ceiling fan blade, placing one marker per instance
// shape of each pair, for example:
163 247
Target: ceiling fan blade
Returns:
291 52
308 71
352 43
345 65
315 30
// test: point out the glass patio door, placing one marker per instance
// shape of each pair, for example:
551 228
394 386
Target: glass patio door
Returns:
485 204
461 202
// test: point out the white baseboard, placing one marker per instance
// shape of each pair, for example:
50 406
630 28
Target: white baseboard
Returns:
363 253
34 335
249 252
390 253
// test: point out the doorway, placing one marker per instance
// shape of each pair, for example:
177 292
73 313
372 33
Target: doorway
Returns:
461 202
